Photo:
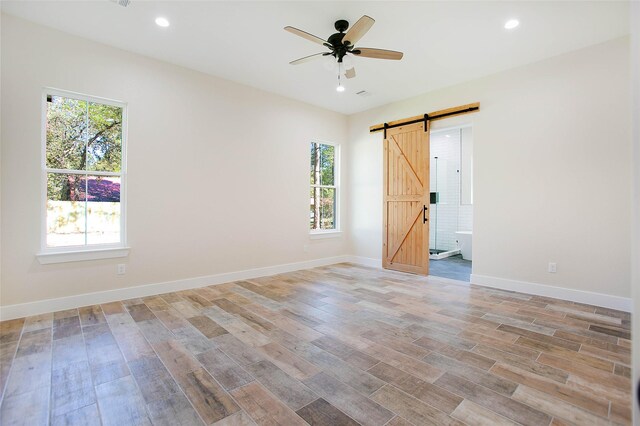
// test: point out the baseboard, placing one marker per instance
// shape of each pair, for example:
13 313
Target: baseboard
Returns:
76 301
580 296
365 261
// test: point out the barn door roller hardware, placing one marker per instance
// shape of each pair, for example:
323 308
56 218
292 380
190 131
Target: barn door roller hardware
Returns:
437 115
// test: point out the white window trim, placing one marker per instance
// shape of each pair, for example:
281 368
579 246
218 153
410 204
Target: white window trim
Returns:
82 255
337 231
325 233
49 255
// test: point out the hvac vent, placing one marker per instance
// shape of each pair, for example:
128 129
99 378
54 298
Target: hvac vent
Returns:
123 3
363 93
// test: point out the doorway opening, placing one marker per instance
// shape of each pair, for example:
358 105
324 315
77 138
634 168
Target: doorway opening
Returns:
451 202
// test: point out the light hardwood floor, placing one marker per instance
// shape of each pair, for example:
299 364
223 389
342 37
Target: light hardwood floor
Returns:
338 345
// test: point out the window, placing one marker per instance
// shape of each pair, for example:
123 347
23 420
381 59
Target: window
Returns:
323 215
83 172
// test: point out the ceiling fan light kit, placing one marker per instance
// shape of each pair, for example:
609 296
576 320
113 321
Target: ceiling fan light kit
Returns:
342 44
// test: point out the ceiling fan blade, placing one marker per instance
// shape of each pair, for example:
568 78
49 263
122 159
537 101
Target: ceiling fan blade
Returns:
305 34
307 58
367 52
350 73
358 30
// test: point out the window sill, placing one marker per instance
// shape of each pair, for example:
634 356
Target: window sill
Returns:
325 234
46 258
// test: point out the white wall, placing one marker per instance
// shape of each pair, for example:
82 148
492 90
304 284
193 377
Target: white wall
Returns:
635 253
217 171
551 168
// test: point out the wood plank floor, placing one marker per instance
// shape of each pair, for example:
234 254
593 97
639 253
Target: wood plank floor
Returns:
338 345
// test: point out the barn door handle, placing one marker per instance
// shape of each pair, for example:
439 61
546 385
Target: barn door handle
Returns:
424 214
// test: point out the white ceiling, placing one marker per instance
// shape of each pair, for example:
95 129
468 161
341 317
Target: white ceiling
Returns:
444 42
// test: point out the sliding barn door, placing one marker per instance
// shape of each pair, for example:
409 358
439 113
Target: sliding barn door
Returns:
406 199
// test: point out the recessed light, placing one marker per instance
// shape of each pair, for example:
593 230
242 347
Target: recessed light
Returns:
448 136
511 24
340 88
162 22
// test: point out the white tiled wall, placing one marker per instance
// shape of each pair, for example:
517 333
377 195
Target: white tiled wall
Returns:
465 217
448 216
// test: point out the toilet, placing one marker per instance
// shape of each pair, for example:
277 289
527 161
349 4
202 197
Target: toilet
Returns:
464 242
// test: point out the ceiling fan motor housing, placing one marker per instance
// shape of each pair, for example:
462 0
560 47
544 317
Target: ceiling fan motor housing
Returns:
339 49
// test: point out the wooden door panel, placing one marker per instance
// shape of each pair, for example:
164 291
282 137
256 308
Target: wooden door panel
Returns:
409 257
406 192
404 215
406 179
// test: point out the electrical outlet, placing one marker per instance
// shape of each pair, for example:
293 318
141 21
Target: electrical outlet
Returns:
122 268
552 267
305 247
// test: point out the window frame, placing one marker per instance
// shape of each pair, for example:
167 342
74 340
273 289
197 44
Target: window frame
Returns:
337 231
85 251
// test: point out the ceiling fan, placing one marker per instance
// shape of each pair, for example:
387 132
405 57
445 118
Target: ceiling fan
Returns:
342 44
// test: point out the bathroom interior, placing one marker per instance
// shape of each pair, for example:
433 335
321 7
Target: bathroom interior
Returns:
451 205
